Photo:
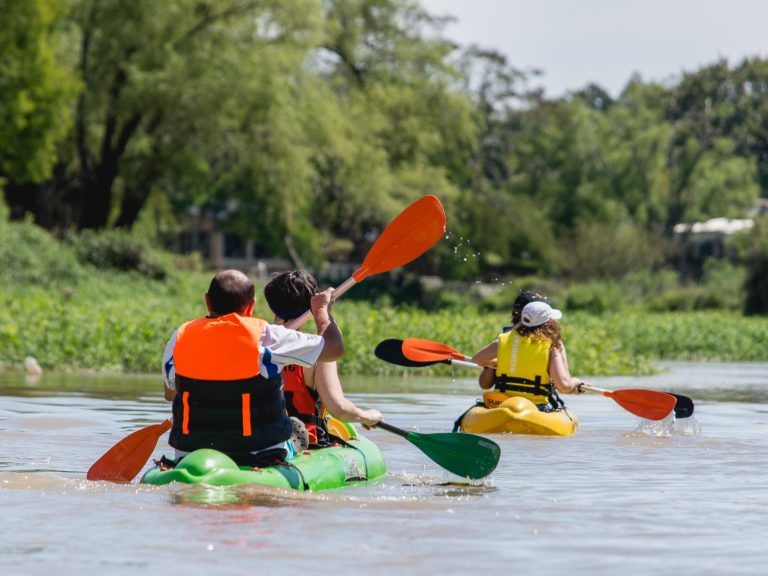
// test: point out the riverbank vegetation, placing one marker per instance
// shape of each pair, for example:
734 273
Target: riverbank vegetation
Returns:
303 127
77 309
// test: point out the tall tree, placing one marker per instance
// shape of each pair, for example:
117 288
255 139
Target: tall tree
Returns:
398 127
36 90
721 101
165 85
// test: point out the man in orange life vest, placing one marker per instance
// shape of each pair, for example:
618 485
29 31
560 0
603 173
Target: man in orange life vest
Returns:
222 373
310 391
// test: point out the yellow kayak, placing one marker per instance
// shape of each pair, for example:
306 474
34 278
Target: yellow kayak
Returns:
517 415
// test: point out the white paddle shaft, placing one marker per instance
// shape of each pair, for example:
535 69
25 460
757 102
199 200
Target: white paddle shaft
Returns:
297 323
464 363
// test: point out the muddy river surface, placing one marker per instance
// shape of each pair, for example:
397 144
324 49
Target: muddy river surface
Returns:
622 496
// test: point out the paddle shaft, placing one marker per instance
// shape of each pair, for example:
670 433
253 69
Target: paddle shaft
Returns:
297 323
463 363
467 455
683 409
393 429
596 390
414 352
409 235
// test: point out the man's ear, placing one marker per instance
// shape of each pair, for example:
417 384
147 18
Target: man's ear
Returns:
208 303
249 309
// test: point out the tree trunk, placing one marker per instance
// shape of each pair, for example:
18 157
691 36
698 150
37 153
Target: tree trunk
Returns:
132 203
97 199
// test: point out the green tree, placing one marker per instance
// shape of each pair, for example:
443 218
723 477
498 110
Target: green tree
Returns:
752 248
169 89
395 127
36 90
721 101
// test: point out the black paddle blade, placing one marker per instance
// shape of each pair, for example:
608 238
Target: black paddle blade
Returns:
466 455
683 406
391 351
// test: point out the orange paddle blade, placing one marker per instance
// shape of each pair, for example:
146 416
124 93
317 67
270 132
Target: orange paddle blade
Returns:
648 404
420 350
414 231
125 459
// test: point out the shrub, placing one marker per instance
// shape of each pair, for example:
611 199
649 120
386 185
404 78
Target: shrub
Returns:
753 251
597 250
4 212
120 251
648 283
756 285
725 282
500 295
687 299
30 255
596 297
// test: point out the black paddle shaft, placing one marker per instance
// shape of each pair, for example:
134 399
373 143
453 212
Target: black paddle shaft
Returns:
393 429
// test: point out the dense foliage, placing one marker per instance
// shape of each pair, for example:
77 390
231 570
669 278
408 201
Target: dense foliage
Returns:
73 309
35 90
305 125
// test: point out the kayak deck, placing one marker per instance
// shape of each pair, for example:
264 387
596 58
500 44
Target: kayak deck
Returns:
519 415
358 462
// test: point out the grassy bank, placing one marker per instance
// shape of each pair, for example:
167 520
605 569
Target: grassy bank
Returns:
72 305
112 321
609 344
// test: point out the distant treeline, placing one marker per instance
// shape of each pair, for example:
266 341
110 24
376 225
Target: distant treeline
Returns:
311 123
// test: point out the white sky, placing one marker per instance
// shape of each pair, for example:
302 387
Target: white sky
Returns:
574 42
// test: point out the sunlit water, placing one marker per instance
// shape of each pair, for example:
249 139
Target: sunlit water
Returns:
620 497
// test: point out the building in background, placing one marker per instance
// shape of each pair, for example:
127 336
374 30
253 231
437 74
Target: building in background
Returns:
201 233
699 241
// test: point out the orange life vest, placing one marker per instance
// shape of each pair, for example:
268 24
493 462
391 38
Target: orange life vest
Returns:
222 401
304 403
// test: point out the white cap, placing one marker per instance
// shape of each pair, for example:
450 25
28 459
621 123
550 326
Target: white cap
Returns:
538 313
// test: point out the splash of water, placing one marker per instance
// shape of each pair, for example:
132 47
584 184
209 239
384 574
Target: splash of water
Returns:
668 427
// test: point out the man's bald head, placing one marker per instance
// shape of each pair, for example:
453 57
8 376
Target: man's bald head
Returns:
230 291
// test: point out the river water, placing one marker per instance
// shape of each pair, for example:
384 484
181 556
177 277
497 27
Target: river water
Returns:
621 496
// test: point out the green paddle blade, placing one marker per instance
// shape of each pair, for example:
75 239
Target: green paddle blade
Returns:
466 455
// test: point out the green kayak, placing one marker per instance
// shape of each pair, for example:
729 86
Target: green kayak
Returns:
358 462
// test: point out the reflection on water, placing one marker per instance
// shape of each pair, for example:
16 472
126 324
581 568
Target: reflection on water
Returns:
621 496
234 497
105 386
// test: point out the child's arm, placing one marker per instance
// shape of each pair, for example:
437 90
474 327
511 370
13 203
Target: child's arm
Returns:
560 373
332 395
486 357
487 377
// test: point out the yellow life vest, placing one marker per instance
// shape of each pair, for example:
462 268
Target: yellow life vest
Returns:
522 367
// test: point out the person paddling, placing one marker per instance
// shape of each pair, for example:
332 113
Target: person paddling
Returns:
223 373
311 392
529 360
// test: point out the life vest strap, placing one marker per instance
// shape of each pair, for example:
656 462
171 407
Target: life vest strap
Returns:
505 383
185 414
305 404
246 414
231 416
